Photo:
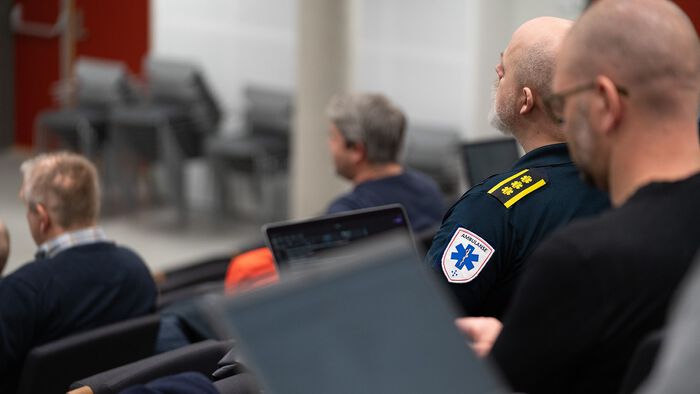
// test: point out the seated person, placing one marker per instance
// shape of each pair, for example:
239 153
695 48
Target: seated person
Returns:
78 280
488 234
596 288
366 136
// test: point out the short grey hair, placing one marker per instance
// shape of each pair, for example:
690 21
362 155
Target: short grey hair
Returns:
66 184
371 119
535 67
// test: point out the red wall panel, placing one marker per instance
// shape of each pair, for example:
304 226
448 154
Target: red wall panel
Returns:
116 29
36 68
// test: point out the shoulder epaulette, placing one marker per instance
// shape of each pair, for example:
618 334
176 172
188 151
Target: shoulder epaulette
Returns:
515 187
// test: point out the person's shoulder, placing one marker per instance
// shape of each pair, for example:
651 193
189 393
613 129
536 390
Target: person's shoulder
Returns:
31 275
128 254
505 189
345 202
582 241
418 176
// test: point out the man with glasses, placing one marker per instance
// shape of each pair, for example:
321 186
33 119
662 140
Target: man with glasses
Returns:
627 89
487 235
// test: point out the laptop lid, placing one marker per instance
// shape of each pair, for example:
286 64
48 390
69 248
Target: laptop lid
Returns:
485 158
378 324
296 245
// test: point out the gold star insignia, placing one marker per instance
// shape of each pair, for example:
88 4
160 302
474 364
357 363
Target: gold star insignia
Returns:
507 190
526 178
516 184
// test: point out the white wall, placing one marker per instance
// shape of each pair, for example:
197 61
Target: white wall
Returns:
235 41
435 58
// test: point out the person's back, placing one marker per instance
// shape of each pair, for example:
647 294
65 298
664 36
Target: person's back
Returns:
485 238
81 288
366 135
415 191
522 226
79 280
619 273
595 289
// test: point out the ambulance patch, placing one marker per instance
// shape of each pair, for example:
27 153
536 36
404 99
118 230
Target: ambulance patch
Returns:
465 256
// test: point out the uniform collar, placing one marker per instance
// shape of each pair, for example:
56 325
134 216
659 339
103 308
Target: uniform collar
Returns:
543 156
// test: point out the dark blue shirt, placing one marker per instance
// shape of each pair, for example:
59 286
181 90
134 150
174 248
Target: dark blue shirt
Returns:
487 235
80 288
418 193
183 383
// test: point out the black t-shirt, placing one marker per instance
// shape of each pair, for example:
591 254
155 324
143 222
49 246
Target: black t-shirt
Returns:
594 289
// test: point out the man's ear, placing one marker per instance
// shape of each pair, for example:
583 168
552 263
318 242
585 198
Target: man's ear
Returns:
43 216
359 152
609 105
526 100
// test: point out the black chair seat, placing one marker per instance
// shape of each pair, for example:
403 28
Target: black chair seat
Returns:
200 357
50 368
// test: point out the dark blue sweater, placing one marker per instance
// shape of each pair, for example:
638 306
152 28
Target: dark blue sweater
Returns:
418 193
81 288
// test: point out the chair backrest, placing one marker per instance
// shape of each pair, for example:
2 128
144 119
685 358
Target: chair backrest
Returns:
102 83
642 362
182 84
434 150
268 111
50 368
200 357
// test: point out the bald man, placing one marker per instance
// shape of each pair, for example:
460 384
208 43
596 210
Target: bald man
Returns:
487 235
627 89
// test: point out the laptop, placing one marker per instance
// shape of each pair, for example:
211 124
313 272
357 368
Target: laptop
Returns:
303 244
380 324
485 158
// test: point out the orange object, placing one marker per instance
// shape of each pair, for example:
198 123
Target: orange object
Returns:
251 269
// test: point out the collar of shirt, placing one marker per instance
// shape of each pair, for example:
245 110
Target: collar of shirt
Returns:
548 155
84 236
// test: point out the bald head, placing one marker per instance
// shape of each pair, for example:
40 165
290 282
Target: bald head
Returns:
533 49
648 46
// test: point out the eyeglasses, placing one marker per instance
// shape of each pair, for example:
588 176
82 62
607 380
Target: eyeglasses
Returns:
554 103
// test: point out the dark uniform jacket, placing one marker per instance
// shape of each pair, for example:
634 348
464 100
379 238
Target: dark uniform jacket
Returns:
489 232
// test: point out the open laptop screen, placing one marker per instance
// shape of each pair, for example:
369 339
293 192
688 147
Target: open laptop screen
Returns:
485 158
298 244
379 324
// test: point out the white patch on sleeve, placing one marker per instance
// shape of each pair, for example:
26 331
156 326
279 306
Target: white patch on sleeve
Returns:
465 256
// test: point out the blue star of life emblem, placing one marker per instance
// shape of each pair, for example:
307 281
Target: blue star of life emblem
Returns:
464 257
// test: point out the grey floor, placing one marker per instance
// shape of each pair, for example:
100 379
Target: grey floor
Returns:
152 232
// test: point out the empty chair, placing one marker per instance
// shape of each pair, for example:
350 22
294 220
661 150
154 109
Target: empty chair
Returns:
434 150
200 357
81 125
170 126
261 152
50 368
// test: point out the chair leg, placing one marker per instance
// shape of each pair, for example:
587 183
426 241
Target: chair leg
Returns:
174 162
